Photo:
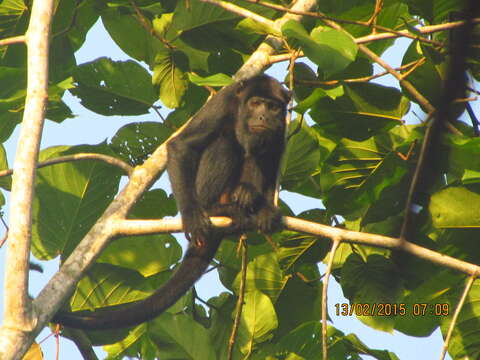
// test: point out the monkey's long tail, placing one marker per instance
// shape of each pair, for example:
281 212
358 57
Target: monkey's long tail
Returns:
193 266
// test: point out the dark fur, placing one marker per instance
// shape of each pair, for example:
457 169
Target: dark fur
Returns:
224 162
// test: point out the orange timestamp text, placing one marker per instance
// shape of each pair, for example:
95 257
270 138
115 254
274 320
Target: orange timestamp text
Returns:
387 309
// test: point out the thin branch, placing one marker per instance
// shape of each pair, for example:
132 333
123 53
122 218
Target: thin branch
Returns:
78 157
473 119
412 64
423 30
13 40
18 315
5 236
387 34
435 257
406 84
241 296
145 227
235 9
336 243
453 322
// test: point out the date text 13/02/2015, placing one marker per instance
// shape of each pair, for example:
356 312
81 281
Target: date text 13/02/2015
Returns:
387 309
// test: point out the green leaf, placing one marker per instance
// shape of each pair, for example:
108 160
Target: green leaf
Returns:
5 181
330 49
456 207
135 142
107 285
358 174
374 282
292 309
170 78
264 274
148 255
364 110
196 14
422 314
70 197
179 336
302 156
114 87
213 80
257 322
131 36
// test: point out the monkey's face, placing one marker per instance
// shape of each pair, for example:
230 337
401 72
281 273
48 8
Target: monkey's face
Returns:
264 115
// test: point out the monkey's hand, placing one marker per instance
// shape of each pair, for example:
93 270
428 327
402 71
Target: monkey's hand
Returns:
269 219
247 197
197 226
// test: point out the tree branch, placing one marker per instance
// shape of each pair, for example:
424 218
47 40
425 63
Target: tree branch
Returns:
18 316
13 40
326 278
235 9
145 227
78 157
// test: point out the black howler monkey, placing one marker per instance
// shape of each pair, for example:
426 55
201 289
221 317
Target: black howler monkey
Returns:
224 162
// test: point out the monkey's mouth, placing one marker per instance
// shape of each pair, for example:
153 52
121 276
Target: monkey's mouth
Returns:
257 128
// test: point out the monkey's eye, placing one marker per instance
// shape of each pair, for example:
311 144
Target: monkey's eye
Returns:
274 107
255 102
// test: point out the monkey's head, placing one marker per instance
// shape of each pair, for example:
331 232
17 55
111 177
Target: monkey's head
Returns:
262 109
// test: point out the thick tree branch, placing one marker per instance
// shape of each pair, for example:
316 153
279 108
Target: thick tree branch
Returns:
17 314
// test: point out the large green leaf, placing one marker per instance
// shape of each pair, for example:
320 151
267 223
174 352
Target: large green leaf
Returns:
136 141
371 284
108 285
456 207
330 49
257 322
114 87
169 76
70 197
264 274
358 174
364 110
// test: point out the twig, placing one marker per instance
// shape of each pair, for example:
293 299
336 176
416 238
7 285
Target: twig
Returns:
5 237
387 34
13 40
235 9
77 157
453 322
413 64
241 297
474 119
336 243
